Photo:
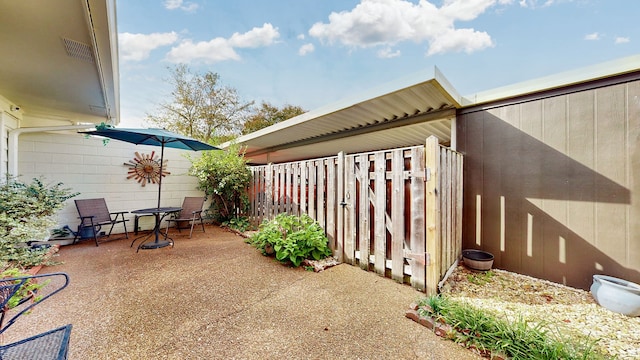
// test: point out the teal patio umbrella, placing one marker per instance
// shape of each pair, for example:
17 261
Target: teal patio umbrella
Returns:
155 137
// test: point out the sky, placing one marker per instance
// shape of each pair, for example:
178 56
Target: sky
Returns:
312 53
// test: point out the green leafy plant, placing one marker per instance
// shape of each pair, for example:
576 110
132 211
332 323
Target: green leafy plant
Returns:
239 223
26 214
292 239
517 339
26 292
224 176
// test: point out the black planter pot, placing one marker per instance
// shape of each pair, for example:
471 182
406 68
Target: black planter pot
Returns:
477 259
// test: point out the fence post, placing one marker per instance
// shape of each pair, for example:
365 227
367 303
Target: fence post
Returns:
432 214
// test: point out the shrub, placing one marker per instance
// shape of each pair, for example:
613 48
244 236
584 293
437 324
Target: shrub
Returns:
224 177
26 214
292 239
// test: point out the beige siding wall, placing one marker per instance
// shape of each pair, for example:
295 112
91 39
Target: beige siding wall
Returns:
552 185
97 171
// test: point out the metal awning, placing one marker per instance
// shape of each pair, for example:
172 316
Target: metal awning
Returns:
379 119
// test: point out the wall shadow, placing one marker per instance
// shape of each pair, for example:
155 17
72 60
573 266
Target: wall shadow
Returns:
532 196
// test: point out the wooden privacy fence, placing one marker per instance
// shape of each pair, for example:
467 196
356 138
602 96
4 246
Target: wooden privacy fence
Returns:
396 212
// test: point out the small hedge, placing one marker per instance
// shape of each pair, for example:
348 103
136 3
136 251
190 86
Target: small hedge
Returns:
292 239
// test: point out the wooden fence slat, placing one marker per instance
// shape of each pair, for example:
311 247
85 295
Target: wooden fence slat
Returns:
331 203
418 268
295 191
350 208
432 220
304 188
364 232
311 197
397 216
380 236
320 184
341 201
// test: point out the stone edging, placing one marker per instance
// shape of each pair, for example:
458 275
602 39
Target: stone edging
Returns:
446 331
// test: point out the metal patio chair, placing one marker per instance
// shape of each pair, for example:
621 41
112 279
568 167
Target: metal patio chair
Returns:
53 344
93 215
190 214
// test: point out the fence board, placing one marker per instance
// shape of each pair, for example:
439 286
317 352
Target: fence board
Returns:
331 203
322 190
397 216
363 211
380 216
340 216
432 220
417 242
350 208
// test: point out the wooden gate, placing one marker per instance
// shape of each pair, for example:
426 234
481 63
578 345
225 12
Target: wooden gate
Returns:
396 212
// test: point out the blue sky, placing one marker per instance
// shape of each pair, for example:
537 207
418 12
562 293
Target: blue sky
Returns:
312 53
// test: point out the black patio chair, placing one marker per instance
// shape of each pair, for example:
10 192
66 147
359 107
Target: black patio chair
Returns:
190 214
93 215
53 344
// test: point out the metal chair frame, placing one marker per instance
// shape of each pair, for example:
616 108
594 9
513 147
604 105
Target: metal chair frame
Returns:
53 344
191 212
94 214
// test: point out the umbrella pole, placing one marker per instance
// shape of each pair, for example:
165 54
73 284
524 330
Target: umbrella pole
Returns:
160 180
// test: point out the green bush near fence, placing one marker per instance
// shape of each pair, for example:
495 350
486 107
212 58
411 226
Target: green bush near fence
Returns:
291 239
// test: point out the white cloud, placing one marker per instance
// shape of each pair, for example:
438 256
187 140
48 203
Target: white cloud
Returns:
221 49
388 22
306 49
180 4
534 3
300 37
622 40
137 47
256 37
388 53
592 36
215 50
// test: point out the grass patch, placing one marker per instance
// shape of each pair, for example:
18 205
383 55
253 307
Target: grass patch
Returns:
518 339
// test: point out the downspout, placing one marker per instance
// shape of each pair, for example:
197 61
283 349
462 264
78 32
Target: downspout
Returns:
13 141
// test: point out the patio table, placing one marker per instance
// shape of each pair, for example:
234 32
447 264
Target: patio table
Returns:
159 213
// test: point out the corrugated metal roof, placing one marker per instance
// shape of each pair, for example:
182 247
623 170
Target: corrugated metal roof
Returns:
400 114
379 119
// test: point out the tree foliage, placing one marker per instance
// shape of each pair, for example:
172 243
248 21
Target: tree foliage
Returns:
224 176
200 107
268 115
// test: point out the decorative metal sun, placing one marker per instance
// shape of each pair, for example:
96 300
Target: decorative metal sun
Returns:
146 168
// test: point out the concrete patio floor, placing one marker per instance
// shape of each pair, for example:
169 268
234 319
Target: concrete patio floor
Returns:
215 297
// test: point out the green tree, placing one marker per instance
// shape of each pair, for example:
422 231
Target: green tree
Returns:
200 107
268 115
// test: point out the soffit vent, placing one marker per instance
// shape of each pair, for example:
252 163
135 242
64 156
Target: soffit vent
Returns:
100 110
78 50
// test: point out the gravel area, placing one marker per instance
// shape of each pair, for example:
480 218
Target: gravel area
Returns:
572 311
216 297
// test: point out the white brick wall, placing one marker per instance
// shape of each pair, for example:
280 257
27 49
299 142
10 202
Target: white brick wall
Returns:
98 171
